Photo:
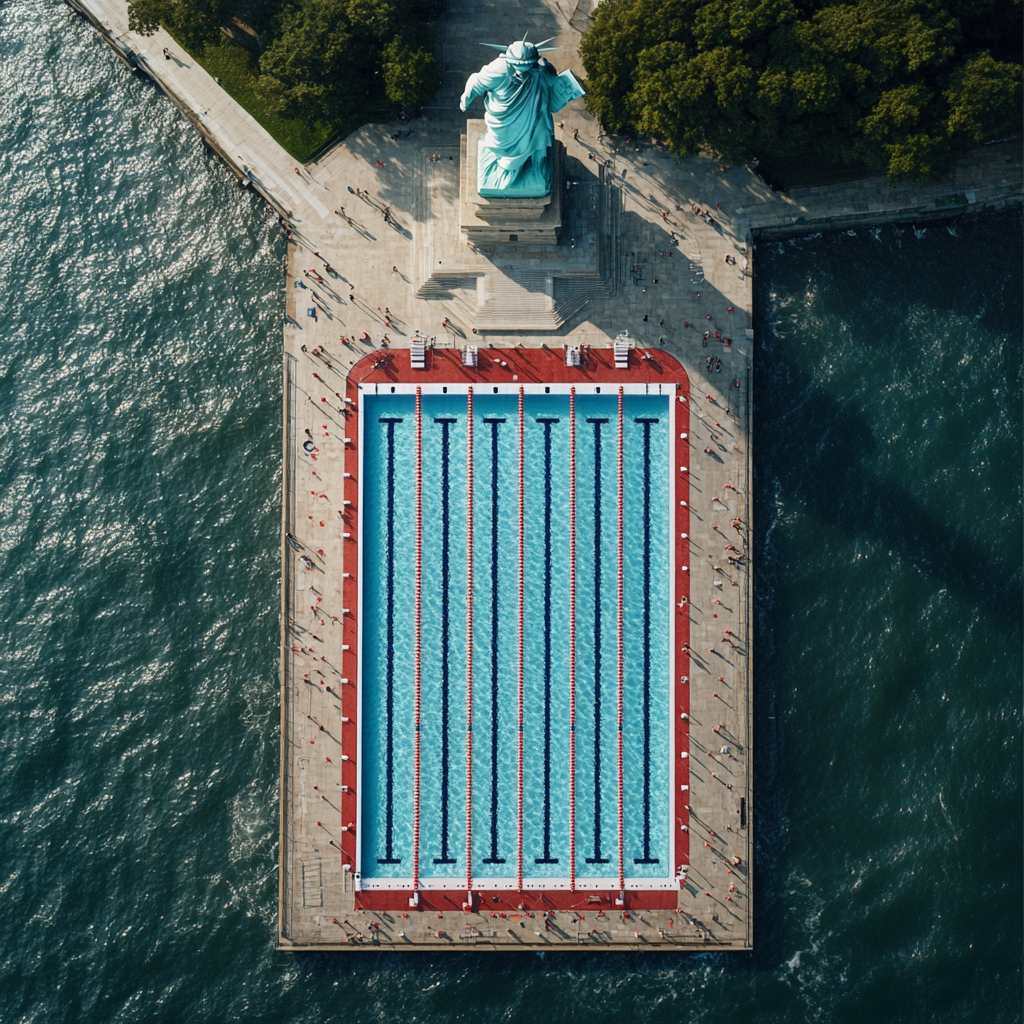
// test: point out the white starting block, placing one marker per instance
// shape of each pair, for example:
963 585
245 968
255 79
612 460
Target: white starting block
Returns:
418 352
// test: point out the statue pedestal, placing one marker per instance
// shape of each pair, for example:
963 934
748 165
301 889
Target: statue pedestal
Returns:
499 220
530 269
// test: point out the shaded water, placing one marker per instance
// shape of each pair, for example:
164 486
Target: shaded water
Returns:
139 525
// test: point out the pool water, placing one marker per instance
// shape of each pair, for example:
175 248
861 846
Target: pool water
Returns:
387 622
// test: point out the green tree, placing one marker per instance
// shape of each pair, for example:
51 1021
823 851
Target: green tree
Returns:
411 76
984 98
318 67
883 84
378 17
195 22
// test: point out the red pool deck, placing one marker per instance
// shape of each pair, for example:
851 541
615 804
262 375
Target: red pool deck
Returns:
509 367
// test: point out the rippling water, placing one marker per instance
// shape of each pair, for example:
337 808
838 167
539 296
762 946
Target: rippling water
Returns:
139 526
888 478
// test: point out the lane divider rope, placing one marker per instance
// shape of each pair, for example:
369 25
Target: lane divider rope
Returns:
418 641
572 639
469 644
522 558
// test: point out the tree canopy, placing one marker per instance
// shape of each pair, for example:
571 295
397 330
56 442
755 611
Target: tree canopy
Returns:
888 85
195 22
324 59
410 75
316 63
332 54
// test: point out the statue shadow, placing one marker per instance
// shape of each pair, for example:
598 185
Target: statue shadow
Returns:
651 288
445 172
834 480
696 179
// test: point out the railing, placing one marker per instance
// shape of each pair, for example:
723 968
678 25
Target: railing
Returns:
619 657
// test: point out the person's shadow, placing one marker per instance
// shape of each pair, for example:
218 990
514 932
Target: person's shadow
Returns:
177 60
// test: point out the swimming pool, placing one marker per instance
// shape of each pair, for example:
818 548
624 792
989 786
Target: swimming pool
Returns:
515 715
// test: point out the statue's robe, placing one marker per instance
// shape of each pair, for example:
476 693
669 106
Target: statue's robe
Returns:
513 155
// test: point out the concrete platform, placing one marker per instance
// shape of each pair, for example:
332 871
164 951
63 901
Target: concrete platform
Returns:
502 286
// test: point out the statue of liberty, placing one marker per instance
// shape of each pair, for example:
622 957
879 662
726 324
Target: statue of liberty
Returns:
521 91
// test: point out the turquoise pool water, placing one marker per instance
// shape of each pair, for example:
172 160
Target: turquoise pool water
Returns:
387 649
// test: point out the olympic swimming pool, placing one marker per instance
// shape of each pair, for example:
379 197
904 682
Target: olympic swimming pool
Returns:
537 745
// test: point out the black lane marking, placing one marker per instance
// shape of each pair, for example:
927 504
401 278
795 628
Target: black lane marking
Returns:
445 423
547 858
389 618
493 421
647 858
597 858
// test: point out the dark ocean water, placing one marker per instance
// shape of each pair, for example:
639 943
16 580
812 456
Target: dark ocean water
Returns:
140 380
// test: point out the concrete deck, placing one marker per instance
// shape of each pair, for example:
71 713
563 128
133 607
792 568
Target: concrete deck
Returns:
664 293
378 270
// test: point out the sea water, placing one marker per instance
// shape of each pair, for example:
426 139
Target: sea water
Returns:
140 385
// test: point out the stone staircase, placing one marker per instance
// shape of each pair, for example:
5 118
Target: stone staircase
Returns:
520 300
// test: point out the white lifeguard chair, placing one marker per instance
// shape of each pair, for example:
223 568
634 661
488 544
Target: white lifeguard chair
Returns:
469 355
572 355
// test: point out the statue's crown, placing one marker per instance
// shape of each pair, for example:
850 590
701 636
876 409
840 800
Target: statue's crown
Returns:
522 54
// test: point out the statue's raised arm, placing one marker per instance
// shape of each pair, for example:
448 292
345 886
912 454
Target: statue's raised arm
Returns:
521 91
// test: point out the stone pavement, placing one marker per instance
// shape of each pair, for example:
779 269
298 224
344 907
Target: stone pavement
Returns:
663 293
663 290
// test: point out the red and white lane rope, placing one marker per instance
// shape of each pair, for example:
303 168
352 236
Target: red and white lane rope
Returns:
572 639
469 641
419 622
522 559
619 654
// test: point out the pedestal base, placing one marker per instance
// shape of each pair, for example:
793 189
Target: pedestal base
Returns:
521 284
501 220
